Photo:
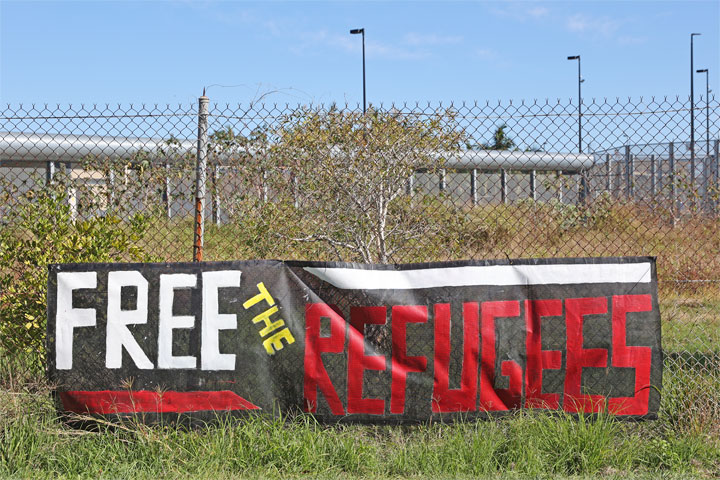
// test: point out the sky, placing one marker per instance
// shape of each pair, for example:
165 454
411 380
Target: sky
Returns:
302 52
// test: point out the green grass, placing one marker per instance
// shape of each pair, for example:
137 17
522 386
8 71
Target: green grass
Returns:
691 322
33 443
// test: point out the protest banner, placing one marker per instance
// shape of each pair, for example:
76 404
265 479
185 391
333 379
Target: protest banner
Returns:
356 342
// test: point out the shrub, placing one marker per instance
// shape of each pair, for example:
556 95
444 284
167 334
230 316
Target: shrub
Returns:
39 231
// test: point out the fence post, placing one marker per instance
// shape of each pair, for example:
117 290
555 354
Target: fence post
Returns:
671 161
624 173
561 181
167 193
692 161
264 186
49 173
296 191
215 172
706 181
200 177
716 174
533 185
629 173
441 184
582 187
653 170
608 177
71 191
503 186
659 173
473 186
110 183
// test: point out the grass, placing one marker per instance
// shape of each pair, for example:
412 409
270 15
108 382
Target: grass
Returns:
691 322
33 443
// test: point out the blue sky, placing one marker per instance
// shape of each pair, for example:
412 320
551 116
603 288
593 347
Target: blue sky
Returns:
297 52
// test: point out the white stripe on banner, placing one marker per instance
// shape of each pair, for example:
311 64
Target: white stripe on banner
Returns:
500 275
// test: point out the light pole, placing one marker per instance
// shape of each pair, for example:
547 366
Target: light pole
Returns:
692 111
580 80
707 108
356 31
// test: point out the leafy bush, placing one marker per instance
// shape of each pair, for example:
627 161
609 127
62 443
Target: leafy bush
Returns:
352 172
40 230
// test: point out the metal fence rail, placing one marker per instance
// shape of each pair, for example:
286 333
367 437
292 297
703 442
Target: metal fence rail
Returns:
402 183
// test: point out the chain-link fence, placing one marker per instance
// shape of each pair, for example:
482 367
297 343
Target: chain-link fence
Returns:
402 183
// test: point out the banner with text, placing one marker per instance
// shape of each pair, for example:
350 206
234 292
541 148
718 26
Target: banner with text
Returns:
356 342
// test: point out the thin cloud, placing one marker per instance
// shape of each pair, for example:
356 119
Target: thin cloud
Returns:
392 52
485 53
227 16
618 30
273 27
320 40
520 12
538 12
594 26
597 26
629 40
416 39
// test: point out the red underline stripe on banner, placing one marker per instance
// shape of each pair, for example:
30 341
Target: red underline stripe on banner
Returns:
120 401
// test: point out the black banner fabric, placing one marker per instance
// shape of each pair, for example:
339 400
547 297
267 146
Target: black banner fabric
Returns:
354 342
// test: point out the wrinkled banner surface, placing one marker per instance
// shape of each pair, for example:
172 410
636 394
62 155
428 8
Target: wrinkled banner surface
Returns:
366 343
